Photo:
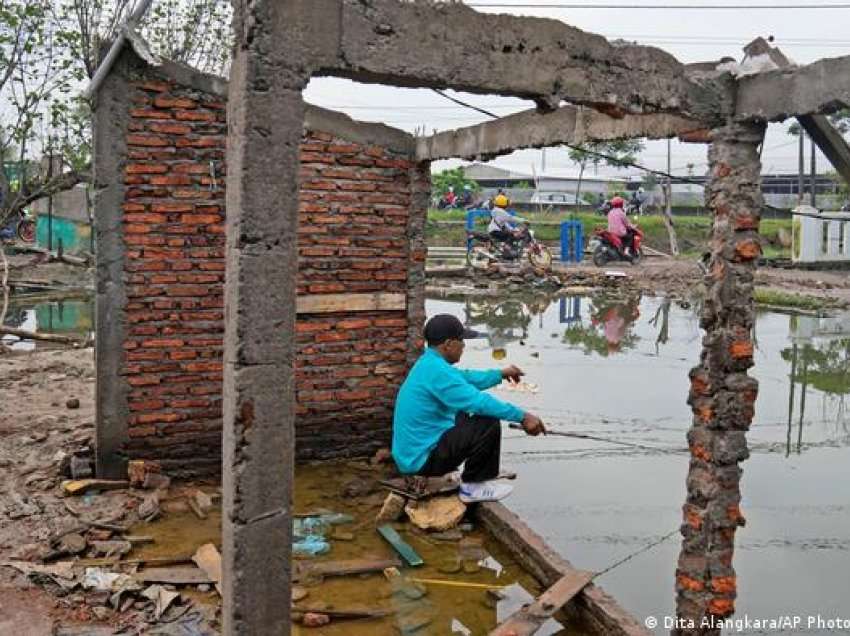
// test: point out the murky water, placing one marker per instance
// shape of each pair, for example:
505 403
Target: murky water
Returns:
63 316
449 594
617 368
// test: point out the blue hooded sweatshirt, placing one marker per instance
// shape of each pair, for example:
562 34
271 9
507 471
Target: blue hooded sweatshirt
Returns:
430 398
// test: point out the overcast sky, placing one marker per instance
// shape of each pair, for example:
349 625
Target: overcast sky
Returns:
803 34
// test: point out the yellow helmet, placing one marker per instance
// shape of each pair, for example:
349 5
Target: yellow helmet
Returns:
499 354
500 201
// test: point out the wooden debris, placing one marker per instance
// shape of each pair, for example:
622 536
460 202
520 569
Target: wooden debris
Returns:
528 619
341 614
23 334
135 540
399 545
173 576
420 487
209 560
391 509
111 548
342 568
76 487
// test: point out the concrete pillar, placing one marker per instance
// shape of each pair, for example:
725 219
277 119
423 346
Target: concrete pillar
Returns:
265 119
722 395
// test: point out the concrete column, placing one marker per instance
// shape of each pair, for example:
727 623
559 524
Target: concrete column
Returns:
722 395
265 118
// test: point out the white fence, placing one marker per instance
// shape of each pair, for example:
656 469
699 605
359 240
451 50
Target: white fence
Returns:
820 236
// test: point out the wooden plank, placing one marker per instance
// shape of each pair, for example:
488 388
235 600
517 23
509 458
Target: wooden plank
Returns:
336 303
343 568
420 487
592 607
174 576
209 560
400 545
529 618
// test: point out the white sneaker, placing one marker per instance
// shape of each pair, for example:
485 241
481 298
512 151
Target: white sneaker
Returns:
484 491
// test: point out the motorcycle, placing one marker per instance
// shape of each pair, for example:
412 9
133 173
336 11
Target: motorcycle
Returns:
485 250
608 247
19 225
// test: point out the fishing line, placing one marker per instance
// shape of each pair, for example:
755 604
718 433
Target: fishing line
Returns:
631 556
608 440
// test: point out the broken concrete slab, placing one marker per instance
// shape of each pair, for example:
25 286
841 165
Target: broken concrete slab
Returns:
436 513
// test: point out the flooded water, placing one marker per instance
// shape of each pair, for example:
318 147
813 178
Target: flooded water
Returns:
617 368
465 587
63 316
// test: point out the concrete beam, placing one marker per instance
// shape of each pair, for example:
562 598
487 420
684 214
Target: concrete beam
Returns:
419 43
532 129
265 119
819 88
830 141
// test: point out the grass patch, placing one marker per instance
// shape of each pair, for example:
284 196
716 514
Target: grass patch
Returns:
692 230
777 298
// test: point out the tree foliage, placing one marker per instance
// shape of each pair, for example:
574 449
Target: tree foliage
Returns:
453 177
49 49
617 154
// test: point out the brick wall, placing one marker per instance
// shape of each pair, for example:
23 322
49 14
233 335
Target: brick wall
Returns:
355 234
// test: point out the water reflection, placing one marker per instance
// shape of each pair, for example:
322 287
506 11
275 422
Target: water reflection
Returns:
67 316
820 359
610 329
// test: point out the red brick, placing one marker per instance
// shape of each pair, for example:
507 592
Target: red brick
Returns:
171 207
136 228
155 418
148 113
163 342
176 102
355 323
145 218
188 290
141 431
200 219
198 115
140 139
143 380
353 396
171 179
146 168
182 193
146 405
201 142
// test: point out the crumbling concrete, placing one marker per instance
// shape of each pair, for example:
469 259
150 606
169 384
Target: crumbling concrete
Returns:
533 129
722 395
419 44
111 117
265 118
821 87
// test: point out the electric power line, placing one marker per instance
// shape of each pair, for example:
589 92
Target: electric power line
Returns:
666 7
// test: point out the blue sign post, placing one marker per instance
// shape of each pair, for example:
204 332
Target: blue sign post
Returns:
572 242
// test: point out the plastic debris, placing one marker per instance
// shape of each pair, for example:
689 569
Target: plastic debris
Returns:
311 545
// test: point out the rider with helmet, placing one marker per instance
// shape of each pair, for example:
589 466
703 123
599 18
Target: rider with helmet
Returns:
620 226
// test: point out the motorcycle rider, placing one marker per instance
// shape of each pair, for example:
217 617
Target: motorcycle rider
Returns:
620 226
502 228
501 200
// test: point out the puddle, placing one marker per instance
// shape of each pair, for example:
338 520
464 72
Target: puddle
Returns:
456 602
617 368
64 316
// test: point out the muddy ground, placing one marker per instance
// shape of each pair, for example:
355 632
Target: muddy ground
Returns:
47 416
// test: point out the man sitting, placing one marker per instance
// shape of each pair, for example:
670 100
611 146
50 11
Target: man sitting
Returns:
444 419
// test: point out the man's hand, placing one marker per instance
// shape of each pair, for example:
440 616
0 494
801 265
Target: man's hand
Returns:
533 425
512 373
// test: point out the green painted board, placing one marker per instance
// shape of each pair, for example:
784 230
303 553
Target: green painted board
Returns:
399 545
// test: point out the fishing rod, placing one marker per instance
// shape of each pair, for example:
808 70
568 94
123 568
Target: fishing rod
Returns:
607 440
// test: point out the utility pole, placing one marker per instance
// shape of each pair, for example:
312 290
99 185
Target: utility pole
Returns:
50 197
814 175
668 206
802 166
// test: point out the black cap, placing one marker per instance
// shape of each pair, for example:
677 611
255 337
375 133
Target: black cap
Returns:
444 327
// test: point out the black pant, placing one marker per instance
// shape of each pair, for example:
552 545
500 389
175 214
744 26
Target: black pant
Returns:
475 439
628 241
502 236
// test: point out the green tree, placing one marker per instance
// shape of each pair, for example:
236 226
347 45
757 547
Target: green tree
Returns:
454 178
616 154
49 49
